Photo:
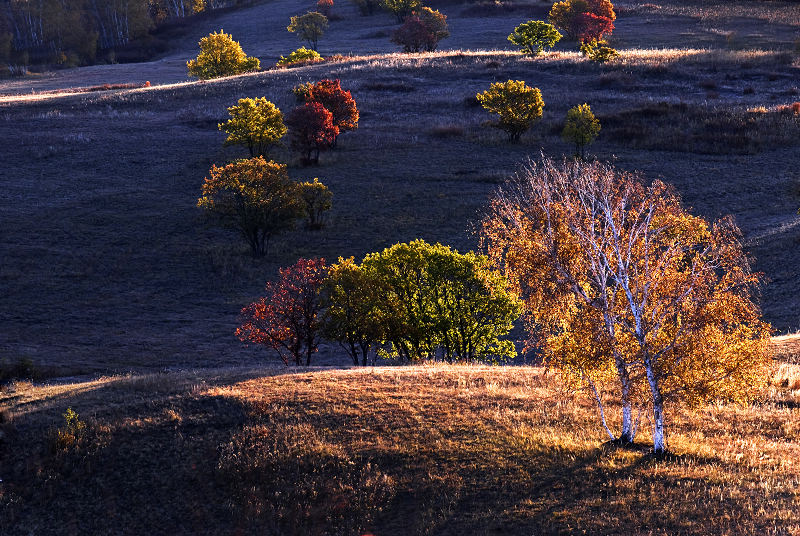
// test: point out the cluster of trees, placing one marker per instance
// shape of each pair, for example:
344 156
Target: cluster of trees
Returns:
73 32
413 301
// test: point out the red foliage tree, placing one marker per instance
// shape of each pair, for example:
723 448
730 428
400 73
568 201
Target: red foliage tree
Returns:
311 130
590 27
413 35
338 102
287 318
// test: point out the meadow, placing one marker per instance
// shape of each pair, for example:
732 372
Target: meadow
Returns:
109 274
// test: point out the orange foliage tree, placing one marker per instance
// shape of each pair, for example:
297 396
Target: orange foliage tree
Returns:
337 101
623 286
286 319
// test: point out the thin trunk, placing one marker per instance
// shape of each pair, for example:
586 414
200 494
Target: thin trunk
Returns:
659 436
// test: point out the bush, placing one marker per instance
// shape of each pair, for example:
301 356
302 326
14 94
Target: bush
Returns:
255 123
367 7
534 36
286 320
317 199
421 30
301 55
338 102
302 92
580 128
583 19
518 106
311 130
401 8
219 56
69 435
598 51
254 197
309 27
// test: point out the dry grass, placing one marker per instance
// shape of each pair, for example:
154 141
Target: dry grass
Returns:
394 450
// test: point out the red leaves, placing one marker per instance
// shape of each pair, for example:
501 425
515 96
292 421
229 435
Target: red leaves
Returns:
590 27
286 319
311 130
413 35
337 101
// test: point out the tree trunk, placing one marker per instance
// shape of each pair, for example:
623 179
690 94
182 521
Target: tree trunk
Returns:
659 437
628 433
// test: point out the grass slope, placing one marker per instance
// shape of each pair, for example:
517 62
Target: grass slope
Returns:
390 451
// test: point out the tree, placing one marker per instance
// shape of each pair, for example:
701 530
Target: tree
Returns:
324 7
598 51
580 128
287 319
622 284
582 19
255 123
338 102
434 300
311 130
436 24
352 315
367 7
534 36
219 56
309 27
317 199
421 30
300 56
253 196
518 106
401 8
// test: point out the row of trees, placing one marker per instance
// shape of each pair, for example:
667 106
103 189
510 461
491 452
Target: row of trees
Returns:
412 301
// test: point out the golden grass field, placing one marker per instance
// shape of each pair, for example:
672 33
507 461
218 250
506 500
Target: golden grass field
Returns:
429 449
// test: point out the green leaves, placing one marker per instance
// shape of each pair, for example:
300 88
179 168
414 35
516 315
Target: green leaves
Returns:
534 36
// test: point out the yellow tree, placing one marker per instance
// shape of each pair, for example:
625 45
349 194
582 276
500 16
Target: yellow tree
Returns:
219 56
255 123
621 283
518 105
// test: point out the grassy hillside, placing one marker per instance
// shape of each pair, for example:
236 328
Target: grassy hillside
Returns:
389 451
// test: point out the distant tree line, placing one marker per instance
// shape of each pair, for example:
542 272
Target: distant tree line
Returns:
78 32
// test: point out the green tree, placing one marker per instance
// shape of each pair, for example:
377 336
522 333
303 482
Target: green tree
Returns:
317 199
219 56
518 106
436 301
255 123
534 36
253 196
580 128
301 55
309 27
352 315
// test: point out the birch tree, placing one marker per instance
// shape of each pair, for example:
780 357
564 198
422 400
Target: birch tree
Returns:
623 286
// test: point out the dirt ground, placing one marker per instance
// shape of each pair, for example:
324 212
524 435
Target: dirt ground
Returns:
106 263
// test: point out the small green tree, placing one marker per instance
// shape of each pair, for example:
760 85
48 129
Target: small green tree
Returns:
301 55
255 123
401 8
219 56
580 128
317 199
518 106
534 36
309 27
253 196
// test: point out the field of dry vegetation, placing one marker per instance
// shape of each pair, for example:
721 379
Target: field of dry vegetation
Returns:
106 266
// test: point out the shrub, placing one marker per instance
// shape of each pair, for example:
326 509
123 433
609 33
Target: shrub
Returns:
69 434
434 301
301 55
534 36
302 92
570 16
338 102
286 320
255 123
367 7
311 130
219 56
580 128
317 199
401 8
598 51
309 27
518 106
254 197
422 30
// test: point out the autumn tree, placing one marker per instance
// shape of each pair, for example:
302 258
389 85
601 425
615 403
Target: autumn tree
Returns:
255 123
254 197
219 56
300 56
311 130
534 36
583 20
317 199
287 318
352 313
401 8
435 301
421 31
337 101
623 286
518 106
580 128
309 27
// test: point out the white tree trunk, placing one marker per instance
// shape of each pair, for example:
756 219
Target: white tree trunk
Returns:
659 437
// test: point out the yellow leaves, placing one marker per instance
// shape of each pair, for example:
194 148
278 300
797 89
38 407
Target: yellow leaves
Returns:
219 56
518 105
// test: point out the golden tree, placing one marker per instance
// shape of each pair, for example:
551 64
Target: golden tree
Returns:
255 123
518 105
622 284
219 56
580 128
